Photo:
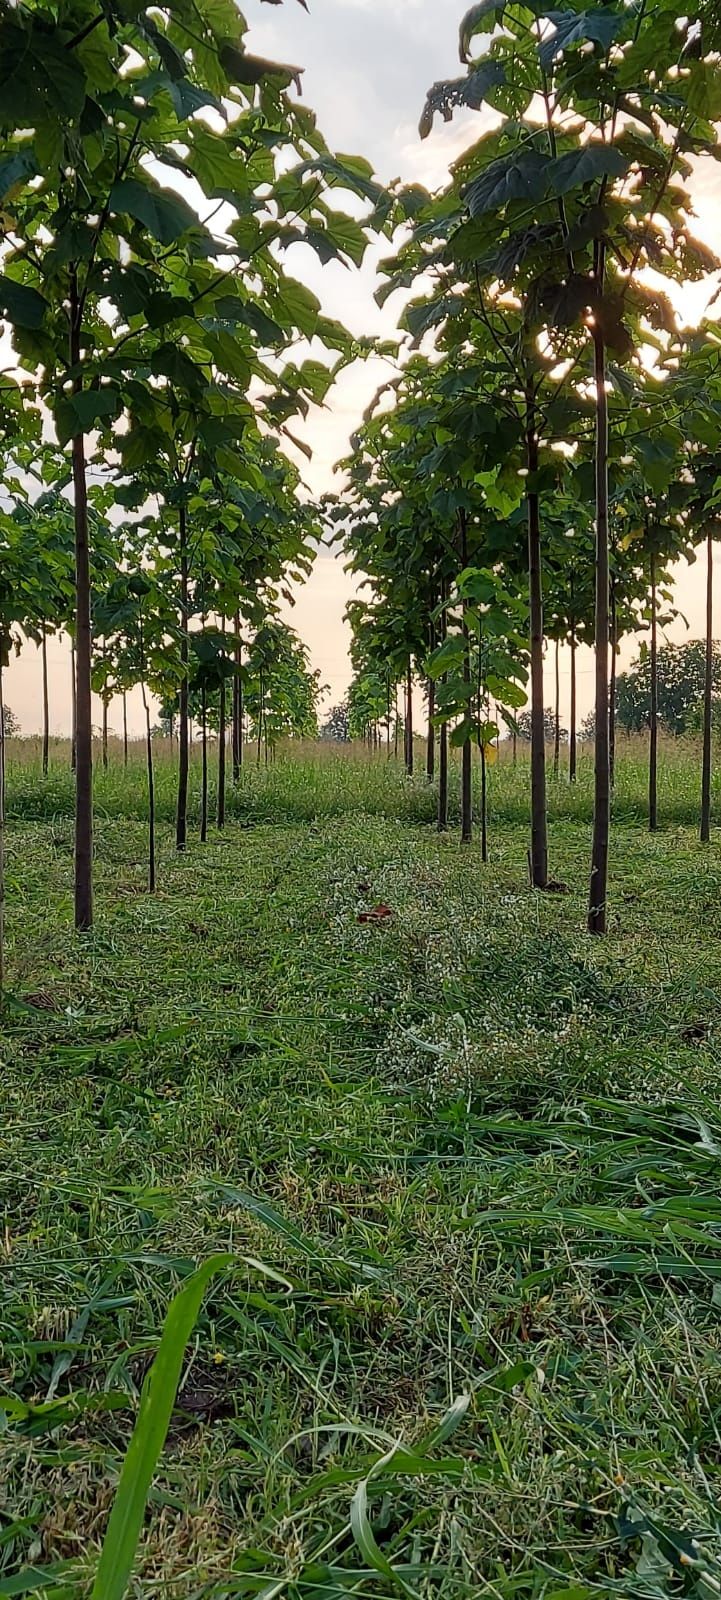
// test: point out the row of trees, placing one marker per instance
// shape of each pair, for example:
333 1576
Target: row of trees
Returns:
154 177
550 445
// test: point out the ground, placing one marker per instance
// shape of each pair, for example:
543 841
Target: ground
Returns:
467 1160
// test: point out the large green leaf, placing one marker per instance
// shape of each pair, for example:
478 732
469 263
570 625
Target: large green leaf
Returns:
82 412
156 1405
578 27
22 306
578 167
15 168
166 215
519 176
480 19
469 91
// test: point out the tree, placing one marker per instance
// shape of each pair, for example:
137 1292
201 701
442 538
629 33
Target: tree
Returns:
335 726
523 726
681 672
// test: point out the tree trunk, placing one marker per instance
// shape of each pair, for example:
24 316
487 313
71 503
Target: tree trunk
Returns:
707 701
2 840
484 805
46 704
204 782
572 746
181 820
237 713
83 701
538 859
597 919
395 731
151 791
221 757
261 695
557 719
409 720
105 733
73 709
466 752
125 729
443 739
431 743
653 740
612 690
515 748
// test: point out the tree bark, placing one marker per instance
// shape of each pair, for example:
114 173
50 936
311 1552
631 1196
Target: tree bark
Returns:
105 733
538 858
125 729
612 690
431 742
83 658
237 713
466 751
181 820
597 915
204 782
46 704
151 791
484 806
2 840
443 738
572 736
707 701
557 719
653 740
73 709
409 720
221 757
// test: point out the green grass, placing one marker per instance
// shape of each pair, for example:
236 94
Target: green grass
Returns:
465 1152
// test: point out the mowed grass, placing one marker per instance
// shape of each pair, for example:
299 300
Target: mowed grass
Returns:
463 1151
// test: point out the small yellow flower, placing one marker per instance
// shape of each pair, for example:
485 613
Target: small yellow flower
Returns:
218 1358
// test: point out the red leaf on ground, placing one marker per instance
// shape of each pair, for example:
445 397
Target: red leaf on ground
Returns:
380 913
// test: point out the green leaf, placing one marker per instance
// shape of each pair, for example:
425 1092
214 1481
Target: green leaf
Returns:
578 27
519 176
296 306
163 213
20 304
368 1544
469 91
14 169
578 167
80 413
230 308
480 19
143 1453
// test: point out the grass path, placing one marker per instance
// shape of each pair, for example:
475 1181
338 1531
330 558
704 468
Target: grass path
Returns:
462 1151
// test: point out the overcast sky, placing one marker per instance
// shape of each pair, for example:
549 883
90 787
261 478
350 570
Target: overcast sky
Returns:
367 67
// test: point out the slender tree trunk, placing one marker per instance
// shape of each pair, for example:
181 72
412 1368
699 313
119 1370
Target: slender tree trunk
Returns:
557 719
237 736
105 733
484 805
572 735
395 731
466 752
653 740
707 701
73 709
181 820
389 720
83 657
515 748
125 729
2 841
443 738
151 790
612 690
431 744
597 919
538 859
204 783
409 720
46 704
221 757
261 694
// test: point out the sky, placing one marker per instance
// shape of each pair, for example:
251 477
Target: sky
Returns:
367 66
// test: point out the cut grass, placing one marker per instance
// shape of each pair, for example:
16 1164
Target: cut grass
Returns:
466 1151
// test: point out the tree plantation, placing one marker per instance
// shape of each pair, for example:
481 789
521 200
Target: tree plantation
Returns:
359 1040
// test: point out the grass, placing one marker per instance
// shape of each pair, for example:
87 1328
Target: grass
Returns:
464 1152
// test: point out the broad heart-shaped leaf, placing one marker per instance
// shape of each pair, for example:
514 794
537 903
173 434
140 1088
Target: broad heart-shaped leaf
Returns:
578 167
163 213
20 304
15 169
578 27
230 308
519 176
481 18
80 413
470 91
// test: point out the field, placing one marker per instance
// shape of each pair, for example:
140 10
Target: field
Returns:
467 1160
